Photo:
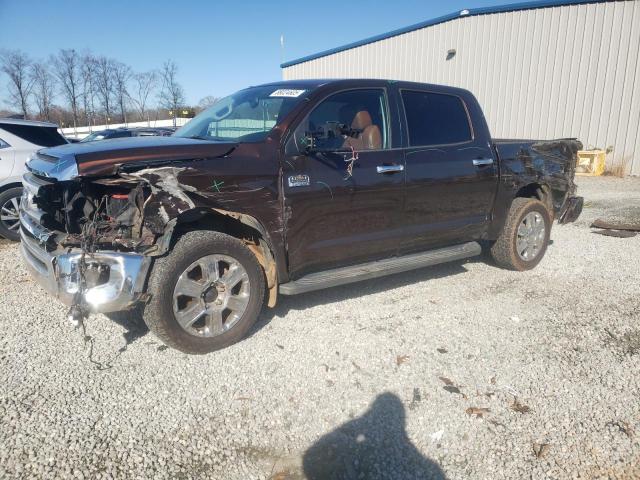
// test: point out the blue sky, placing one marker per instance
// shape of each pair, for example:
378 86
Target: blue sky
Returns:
219 46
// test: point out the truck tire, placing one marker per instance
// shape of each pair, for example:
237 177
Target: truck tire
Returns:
524 237
9 220
205 294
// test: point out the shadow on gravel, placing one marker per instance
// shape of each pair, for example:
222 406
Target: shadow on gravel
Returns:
372 446
132 322
359 289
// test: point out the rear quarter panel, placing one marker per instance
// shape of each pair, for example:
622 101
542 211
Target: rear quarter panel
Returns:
549 163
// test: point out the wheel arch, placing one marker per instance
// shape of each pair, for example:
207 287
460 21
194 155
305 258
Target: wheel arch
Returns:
239 225
538 190
10 185
508 192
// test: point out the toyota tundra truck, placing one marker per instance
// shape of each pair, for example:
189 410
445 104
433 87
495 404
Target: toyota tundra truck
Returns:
286 188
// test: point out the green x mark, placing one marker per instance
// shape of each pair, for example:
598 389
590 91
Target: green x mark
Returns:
216 185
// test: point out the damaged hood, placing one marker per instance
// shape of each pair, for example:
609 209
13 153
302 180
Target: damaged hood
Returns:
105 157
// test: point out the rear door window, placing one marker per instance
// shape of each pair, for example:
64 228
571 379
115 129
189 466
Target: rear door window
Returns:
435 119
38 135
119 134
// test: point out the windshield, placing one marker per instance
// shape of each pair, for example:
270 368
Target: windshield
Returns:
246 116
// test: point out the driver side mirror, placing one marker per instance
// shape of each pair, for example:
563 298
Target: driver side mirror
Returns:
327 138
308 143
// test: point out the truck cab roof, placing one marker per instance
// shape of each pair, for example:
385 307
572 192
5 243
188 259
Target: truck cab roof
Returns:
350 82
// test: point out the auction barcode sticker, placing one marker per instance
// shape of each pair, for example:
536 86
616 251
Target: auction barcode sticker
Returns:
287 92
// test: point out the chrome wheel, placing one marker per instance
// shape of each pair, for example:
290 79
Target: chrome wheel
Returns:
531 236
9 214
211 295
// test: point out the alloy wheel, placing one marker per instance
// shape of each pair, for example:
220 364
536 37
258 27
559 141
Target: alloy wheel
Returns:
211 295
531 236
10 214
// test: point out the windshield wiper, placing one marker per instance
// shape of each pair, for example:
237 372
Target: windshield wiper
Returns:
209 138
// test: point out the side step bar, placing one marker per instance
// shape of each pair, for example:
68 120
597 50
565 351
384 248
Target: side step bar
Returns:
380 268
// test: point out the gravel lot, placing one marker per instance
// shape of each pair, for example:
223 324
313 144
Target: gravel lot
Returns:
383 379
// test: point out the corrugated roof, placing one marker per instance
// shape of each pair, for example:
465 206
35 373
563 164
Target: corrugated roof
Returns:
445 18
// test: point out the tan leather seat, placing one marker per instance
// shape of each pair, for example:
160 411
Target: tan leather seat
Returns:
370 137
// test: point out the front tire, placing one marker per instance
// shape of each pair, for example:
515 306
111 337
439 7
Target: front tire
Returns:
205 294
525 235
9 213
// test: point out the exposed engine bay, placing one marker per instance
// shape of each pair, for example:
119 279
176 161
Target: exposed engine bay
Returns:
91 240
127 213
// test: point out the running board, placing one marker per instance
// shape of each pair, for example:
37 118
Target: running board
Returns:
380 268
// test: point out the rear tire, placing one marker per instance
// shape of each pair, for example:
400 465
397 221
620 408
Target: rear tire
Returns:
9 213
524 237
228 290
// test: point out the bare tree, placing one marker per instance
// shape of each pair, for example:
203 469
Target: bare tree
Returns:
66 65
61 116
16 65
143 85
206 102
121 76
88 73
105 84
44 84
172 93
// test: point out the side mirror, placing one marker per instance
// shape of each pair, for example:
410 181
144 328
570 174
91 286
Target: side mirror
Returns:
307 144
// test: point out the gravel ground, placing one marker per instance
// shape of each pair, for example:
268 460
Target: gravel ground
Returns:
458 371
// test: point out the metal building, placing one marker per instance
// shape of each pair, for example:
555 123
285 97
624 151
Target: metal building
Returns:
546 69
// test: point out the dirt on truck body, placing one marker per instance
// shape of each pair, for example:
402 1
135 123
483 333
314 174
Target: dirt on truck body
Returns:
285 187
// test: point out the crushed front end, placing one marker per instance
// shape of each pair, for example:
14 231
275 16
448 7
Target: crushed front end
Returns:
84 243
94 215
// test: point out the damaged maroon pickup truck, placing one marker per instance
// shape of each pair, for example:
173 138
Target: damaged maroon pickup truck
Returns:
285 188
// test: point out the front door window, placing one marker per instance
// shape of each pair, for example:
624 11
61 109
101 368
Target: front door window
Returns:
354 119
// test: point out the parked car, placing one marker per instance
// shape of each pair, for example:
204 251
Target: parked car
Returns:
18 140
286 188
127 132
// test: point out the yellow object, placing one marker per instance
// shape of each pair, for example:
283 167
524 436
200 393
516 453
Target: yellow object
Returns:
590 162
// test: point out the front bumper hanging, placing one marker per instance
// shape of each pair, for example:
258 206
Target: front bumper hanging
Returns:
113 281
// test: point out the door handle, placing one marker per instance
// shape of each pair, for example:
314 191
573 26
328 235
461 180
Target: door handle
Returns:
389 168
479 162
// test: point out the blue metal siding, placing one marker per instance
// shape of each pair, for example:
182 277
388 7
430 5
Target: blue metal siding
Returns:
563 71
445 18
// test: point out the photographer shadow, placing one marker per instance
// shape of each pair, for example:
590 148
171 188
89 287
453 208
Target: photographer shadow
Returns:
374 445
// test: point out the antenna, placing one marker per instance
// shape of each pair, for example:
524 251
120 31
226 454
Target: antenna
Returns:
281 48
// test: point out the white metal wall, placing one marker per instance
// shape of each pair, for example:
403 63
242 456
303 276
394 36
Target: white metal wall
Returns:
567 71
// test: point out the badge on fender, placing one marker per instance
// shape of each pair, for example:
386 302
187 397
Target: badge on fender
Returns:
299 181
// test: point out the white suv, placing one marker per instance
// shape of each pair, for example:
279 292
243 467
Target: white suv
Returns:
18 140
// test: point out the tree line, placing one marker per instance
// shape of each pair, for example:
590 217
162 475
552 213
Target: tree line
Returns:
94 89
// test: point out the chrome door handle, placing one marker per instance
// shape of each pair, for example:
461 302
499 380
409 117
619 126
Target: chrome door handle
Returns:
389 168
478 162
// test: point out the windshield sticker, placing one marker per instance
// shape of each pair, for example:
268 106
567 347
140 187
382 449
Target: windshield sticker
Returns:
287 92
